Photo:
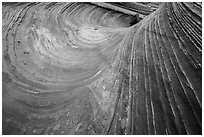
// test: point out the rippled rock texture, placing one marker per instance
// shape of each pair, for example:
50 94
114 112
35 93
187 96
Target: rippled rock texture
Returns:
102 68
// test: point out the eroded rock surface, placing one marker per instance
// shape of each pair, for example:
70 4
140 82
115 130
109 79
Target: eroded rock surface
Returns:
102 68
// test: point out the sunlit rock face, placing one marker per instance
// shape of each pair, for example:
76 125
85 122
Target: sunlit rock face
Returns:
102 68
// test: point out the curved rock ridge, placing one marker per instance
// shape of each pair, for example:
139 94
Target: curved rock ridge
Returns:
102 68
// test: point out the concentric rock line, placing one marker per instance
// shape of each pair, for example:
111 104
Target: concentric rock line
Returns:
102 68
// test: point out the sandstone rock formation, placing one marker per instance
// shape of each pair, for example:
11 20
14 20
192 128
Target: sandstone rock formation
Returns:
102 68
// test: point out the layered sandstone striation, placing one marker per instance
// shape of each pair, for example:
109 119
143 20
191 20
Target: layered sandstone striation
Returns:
102 68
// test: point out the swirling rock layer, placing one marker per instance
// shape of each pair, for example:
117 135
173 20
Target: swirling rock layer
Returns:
102 68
